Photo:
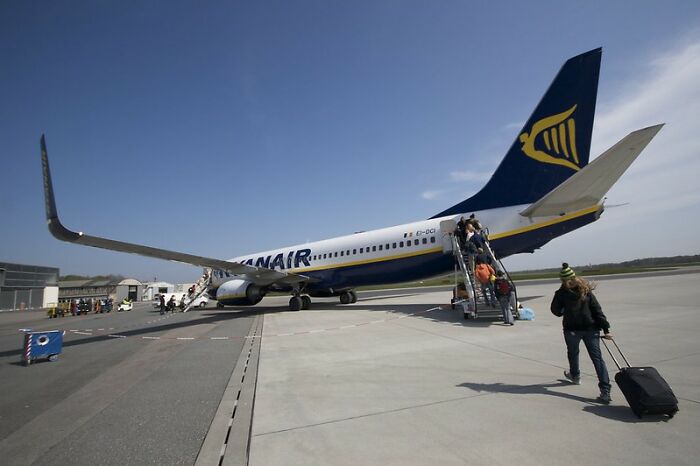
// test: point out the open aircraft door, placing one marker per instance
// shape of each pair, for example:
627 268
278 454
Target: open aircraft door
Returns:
447 229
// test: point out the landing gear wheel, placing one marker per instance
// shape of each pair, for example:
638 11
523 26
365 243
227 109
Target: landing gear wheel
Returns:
295 303
219 305
345 297
305 302
354 297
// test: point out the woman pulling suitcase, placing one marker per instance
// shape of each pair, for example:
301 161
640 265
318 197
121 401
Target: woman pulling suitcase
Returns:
583 319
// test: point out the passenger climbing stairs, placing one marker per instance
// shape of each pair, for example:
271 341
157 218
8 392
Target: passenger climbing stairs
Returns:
468 294
200 288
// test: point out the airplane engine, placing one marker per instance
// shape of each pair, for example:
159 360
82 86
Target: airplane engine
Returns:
239 292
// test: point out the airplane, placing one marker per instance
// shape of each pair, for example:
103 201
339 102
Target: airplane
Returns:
543 188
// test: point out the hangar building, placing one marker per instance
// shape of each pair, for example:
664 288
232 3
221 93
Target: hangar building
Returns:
27 286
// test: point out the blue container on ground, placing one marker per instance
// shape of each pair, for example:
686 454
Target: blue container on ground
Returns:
42 345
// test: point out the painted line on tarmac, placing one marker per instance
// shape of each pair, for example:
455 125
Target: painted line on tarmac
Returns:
224 338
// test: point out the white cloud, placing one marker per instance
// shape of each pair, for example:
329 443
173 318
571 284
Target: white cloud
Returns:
663 217
432 195
514 125
469 175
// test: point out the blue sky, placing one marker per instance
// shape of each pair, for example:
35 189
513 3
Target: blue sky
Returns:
223 128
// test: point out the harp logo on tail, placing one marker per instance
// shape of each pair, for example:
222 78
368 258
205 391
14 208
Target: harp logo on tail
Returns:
557 144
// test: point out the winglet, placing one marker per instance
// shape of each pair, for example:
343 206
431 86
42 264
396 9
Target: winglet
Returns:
55 226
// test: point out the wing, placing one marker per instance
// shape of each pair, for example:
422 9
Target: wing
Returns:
258 275
588 186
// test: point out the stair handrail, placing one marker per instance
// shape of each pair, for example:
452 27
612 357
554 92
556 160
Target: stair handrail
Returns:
465 271
501 267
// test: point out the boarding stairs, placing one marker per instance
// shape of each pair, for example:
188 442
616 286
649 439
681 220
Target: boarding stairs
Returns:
200 288
468 294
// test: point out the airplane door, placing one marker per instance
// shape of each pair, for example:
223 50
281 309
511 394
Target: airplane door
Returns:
447 228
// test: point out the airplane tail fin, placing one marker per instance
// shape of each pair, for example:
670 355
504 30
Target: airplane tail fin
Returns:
553 145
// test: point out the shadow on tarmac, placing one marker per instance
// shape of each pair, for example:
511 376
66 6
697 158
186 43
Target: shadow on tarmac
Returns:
491 316
615 413
534 389
210 318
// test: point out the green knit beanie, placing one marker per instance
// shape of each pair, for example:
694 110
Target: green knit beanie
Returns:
566 272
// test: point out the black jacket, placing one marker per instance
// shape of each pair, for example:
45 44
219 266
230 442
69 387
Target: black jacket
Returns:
579 314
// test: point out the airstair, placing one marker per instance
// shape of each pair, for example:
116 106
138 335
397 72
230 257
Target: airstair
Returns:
468 294
200 288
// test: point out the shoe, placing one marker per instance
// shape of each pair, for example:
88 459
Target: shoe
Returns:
573 380
604 397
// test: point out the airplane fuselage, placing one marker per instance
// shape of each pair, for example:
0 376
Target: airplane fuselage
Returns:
412 251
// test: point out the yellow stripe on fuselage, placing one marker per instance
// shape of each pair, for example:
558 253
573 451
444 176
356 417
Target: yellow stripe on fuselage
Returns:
563 218
505 234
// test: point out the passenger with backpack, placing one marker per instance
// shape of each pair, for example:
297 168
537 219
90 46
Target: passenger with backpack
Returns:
503 290
483 273
583 320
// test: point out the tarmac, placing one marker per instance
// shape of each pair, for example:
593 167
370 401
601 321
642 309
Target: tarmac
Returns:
397 378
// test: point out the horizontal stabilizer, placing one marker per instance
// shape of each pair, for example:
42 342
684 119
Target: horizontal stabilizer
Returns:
589 185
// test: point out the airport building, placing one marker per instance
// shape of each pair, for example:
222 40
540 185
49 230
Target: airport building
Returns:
151 289
27 286
101 288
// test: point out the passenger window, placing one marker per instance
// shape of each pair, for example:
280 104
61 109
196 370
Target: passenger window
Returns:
415 242
347 253
387 245
425 240
380 247
393 246
362 250
341 253
354 251
401 244
324 256
336 254
374 248
432 239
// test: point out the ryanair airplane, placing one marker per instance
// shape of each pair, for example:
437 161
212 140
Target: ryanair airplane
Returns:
543 188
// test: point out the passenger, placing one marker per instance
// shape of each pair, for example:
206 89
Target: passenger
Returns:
182 303
483 274
478 240
473 221
171 304
483 257
503 289
98 306
461 231
162 304
583 320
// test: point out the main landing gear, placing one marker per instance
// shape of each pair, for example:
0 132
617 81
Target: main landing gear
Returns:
348 297
299 302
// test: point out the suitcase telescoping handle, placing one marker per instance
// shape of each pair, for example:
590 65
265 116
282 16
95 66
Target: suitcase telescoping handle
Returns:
612 355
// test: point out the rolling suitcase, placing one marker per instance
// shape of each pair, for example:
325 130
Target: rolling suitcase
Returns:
645 390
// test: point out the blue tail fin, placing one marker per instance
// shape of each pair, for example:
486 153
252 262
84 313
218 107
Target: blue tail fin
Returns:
554 144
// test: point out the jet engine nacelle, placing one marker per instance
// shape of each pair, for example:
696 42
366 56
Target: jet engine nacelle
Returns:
239 292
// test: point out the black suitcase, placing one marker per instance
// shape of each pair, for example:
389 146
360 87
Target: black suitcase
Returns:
645 390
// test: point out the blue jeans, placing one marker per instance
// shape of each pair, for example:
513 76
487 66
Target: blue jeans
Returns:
504 301
591 338
487 291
